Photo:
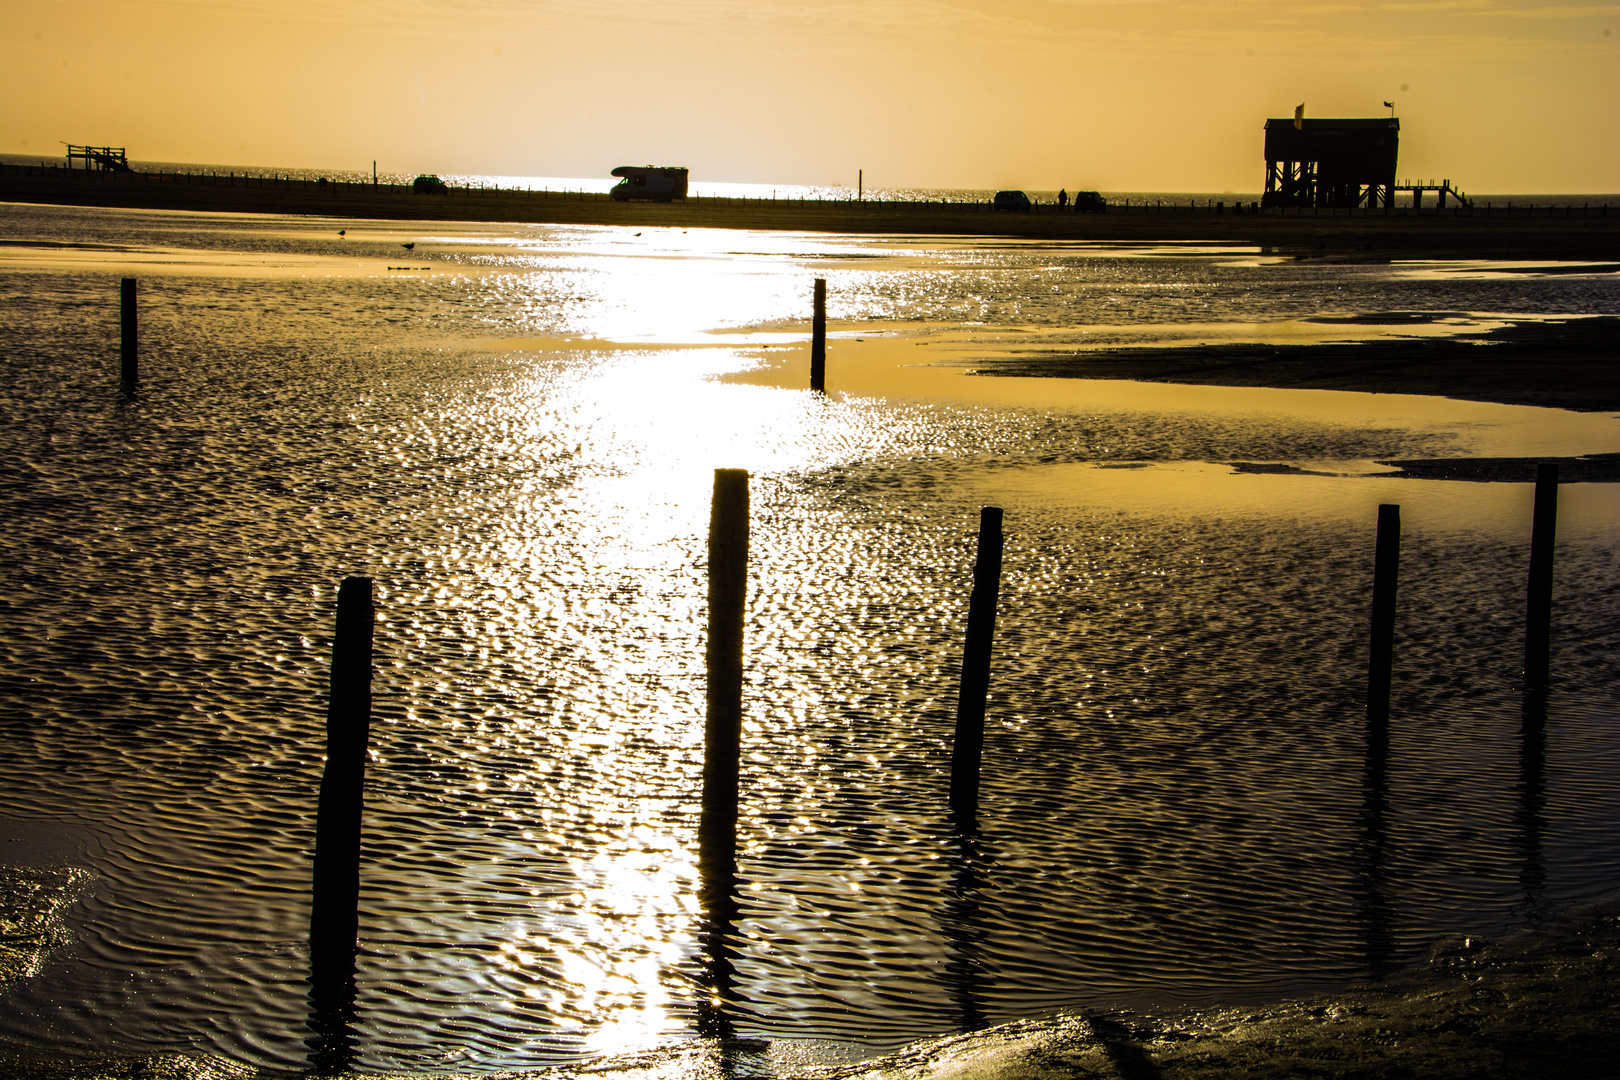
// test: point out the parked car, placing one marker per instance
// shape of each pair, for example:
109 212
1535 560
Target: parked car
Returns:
1089 202
1012 200
427 184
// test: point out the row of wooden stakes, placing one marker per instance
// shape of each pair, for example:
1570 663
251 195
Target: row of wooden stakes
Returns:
334 921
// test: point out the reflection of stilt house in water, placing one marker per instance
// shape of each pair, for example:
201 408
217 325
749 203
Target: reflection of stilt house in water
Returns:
1331 162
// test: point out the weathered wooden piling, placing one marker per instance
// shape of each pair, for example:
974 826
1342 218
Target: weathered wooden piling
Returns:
1538 606
968 746
129 338
818 339
334 916
722 747
1386 575
722 740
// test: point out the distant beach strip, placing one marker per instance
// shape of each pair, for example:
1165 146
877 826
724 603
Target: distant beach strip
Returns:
1565 363
1574 232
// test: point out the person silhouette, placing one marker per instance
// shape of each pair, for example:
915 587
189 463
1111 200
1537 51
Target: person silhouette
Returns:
1063 198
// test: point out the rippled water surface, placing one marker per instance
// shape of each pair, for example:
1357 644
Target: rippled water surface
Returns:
513 431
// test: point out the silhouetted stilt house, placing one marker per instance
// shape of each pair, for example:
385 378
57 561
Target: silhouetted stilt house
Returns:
1331 162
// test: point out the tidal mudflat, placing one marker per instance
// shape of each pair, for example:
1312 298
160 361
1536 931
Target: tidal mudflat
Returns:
512 430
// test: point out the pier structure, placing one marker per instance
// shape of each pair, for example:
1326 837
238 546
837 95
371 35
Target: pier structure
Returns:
1441 190
104 158
1331 163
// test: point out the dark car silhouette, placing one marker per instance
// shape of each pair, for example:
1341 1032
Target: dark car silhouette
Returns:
1012 200
1089 201
429 185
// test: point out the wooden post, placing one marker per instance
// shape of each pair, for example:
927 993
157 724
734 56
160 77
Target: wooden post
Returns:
334 918
1538 607
818 339
722 738
967 749
1381 653
129 339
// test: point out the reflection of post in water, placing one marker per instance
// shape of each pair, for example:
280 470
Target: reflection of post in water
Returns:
719 972
334 921
332 1015
1377 914
1531 813
966 973
722 745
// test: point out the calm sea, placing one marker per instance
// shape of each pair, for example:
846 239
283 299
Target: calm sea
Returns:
513 429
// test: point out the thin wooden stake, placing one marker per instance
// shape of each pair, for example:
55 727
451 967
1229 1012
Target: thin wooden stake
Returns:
129 338
334 916
722 740
1538 607
818 340
968 747
1381 652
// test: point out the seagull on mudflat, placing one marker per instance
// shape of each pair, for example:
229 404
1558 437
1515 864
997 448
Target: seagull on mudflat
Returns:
409 246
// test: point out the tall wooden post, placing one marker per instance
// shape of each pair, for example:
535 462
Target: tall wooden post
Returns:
334 920
818 339
1381 651
129 337
1538 606
722 738
968 747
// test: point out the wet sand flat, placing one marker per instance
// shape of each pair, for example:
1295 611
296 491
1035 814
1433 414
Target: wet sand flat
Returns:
1540 1004
1591 233
1477 1012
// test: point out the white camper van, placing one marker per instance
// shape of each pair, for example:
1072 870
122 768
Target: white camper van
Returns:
656 182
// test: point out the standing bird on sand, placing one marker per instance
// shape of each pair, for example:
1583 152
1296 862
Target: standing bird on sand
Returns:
410 246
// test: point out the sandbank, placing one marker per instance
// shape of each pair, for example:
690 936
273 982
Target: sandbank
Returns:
1561 364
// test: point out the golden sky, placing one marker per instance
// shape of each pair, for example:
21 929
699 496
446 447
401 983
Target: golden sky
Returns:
1117 95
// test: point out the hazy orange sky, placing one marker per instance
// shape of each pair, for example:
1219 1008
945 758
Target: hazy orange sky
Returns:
1516 95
